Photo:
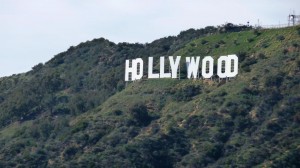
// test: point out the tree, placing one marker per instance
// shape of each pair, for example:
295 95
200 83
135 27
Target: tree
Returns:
139 114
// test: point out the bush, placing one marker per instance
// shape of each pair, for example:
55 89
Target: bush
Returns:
80 126
295 44
186 93
290 158
250 40
139 114
261 56
61 109
256 32
274 80
247 63
280 37
120 86
265 45
285 51
273 126
203 41
37 67
215 152
221 42
69 152
242 123
46 128
235 42
117 112
272 97
242 56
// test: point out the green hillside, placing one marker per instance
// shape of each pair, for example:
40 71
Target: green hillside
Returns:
77 111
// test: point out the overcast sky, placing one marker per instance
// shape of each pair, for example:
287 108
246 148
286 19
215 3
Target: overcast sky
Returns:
33 31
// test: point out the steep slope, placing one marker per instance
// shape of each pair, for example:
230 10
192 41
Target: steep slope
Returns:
251 120
81 78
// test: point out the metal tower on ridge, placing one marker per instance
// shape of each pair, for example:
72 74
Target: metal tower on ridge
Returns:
293 19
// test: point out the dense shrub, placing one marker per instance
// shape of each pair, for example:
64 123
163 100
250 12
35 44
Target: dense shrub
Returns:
139 113
280 37
186 93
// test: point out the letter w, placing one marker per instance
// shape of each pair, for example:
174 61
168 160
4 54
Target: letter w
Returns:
192 66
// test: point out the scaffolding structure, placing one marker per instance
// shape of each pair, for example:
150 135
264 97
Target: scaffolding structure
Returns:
293 20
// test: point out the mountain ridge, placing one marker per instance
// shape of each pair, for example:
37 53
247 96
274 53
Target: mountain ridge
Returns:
76 110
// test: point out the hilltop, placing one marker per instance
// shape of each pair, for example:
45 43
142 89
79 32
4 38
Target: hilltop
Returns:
76 110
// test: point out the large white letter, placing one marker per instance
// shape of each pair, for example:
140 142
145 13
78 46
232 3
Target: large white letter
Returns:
192 66
210 61
162 69
150 69
131 70
222 61
174 66
232 70
139 71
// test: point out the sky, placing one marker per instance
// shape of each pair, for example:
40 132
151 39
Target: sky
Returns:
33 31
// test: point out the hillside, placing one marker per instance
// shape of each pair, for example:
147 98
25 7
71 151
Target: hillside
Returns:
77 111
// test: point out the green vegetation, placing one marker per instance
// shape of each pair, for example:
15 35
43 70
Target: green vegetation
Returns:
77 111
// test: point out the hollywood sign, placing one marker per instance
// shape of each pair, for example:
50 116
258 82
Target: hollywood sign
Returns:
227 67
